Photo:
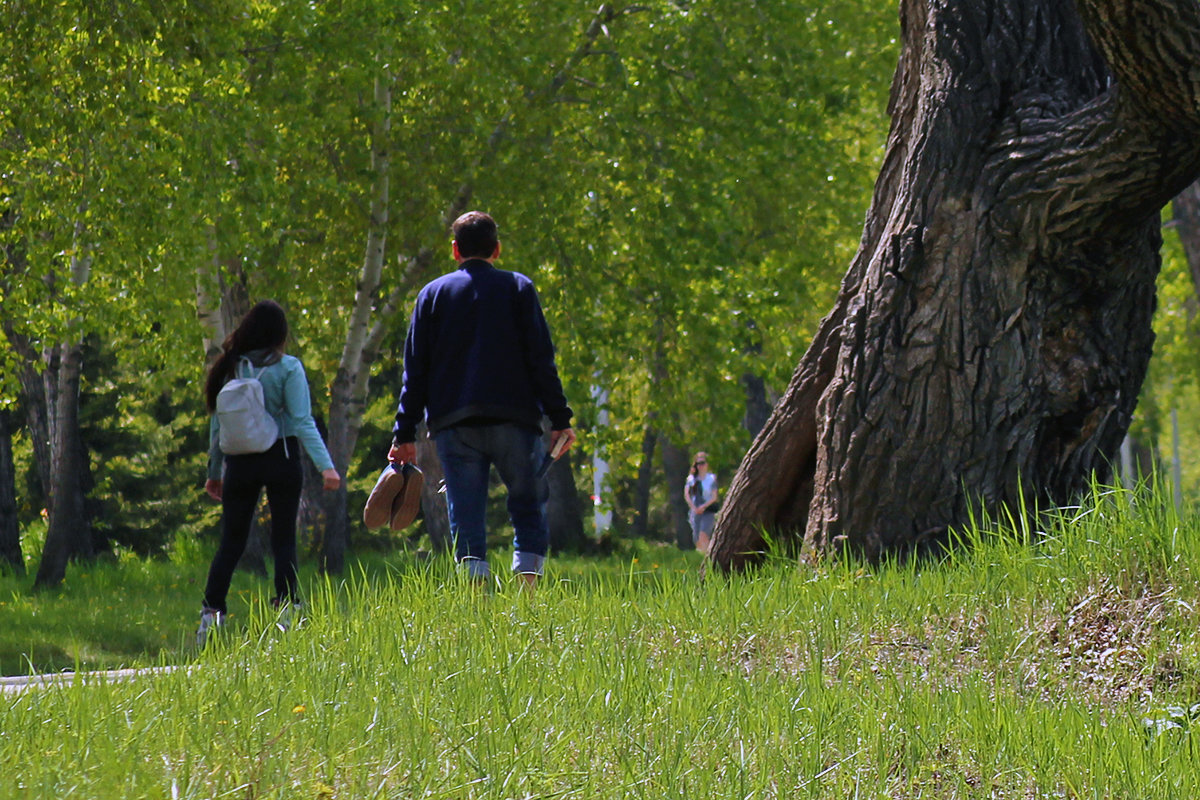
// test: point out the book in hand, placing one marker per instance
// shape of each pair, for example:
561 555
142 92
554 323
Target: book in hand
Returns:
552 456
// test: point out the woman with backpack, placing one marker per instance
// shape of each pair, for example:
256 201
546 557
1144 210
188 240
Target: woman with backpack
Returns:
239 469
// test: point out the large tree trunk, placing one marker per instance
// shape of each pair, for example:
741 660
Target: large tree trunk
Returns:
33 387
11 559
993 331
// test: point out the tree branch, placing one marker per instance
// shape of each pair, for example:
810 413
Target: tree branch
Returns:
1153 50
1126 153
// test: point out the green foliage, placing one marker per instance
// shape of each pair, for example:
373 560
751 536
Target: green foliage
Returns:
1172 380
708 236
1013 669
683 181
147 455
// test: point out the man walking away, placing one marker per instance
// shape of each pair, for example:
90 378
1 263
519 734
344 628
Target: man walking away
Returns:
479 368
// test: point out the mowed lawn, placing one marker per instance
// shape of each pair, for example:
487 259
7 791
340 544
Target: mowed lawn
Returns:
1061 662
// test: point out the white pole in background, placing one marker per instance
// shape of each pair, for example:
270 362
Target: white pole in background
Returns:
1176 469
1127 477
602 516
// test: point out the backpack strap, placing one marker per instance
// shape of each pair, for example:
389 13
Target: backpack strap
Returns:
249 365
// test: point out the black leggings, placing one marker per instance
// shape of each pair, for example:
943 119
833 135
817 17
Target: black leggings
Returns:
245 478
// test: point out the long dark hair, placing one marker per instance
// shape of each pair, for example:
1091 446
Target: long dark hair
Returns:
264 327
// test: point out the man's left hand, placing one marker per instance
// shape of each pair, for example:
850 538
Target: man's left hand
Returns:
561 441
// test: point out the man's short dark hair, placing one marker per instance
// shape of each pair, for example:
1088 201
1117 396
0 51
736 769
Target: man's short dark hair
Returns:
476 235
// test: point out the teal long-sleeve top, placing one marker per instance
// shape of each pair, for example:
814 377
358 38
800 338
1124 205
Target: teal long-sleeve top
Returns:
285 394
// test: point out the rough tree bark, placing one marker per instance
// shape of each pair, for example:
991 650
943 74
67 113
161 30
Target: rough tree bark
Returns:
993 331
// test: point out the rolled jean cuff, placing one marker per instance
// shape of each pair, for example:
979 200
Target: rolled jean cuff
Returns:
475 567
527 563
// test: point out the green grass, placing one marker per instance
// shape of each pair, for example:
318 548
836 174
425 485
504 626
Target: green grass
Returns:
1059 663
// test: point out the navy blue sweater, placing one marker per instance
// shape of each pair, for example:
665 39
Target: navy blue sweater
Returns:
478 349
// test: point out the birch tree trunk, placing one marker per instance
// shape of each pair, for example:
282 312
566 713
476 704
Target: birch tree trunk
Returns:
348 395
222 299
993 331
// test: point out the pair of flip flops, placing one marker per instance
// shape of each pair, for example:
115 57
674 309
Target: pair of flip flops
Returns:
396 498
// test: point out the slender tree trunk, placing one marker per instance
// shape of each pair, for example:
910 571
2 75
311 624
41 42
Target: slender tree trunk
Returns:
564 510
313 501
641 493
675 464
69 533
348 395
1186 209
11 559
33 396
993 332
433 500
758 407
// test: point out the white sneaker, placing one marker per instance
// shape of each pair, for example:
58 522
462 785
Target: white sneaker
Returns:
210 620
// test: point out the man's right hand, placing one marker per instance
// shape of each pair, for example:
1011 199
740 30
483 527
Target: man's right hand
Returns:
403 453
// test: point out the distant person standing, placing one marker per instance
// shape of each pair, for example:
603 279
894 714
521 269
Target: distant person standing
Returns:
256 349
700 492
479 369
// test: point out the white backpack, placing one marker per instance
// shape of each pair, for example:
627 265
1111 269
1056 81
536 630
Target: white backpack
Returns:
246 427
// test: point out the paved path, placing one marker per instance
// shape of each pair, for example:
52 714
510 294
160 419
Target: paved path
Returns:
19 683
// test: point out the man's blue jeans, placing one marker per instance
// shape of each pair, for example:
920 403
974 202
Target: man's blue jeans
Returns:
466 453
